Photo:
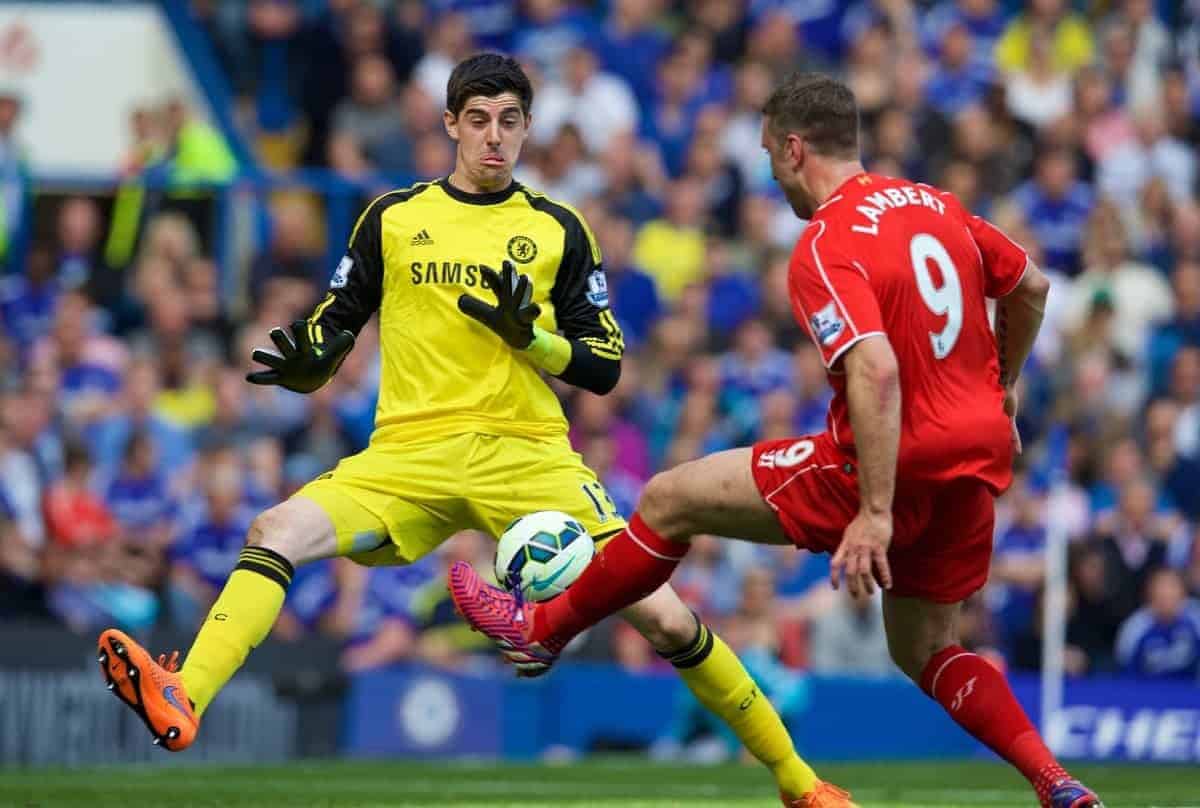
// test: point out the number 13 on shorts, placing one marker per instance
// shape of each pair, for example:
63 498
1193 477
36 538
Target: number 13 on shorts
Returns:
606 509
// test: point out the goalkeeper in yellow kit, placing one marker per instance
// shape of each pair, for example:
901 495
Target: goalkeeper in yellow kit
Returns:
473 276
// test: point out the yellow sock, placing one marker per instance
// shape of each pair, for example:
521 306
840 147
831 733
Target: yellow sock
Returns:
718 680
240 619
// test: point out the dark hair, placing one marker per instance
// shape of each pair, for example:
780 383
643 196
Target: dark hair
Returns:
820 109
487 74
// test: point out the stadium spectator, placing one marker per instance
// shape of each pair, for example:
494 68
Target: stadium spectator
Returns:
1162 639
369 131
1181 329
140 501
598 415
1094 617
633 293
671 248
449 41
292 257
382 631
273 27
1185 390
548 31
955 82
443 639
20 478
984 20
755 366
741 136
574 99
1152 154
1179 475
721 181
28 299
1135 541
1135 81
631 45
209 541
564 172
1068 32
1018 560
89 363
634 179
1040 94
870 67
78 259
1139 294
977 142
1152 40
1057 206
1182 121
849 639
93 579
196 151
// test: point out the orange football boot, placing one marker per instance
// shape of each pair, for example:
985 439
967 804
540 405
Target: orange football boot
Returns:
824 795
153 690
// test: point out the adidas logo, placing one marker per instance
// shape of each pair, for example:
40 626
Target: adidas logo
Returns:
422 239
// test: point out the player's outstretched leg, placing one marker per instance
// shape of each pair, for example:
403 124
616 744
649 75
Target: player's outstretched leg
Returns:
923 641
171 703
716 494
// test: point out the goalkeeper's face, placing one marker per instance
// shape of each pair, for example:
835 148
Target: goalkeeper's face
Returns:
489 132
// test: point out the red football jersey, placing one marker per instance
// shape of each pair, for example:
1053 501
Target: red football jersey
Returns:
906 260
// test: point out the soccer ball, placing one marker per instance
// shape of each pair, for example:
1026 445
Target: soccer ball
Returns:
542 554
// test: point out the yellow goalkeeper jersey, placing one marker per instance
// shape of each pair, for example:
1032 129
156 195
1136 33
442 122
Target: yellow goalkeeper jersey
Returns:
411 255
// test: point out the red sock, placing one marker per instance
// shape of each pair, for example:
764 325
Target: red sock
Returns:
978 697
633 564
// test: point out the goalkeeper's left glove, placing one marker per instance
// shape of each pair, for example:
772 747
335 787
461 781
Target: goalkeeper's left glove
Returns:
513 315
300 366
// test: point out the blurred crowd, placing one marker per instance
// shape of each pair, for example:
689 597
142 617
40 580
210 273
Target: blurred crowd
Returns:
134 455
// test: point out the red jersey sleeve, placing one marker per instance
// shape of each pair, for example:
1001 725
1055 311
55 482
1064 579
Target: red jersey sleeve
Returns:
832 296
1004 260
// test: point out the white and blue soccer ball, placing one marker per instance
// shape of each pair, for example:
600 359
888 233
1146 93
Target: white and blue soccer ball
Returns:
542 554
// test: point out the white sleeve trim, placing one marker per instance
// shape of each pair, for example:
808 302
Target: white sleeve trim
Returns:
850 344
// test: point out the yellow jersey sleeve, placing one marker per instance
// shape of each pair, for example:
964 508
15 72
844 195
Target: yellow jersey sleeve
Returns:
356 289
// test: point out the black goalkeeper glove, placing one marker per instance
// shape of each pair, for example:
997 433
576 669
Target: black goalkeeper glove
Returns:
300 366
514 313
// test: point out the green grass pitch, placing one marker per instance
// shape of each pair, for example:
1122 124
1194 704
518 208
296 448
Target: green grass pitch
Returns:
627 783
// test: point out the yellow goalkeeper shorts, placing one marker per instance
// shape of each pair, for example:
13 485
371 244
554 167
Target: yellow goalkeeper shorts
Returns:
393 503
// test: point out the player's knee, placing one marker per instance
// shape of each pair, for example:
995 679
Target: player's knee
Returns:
664 504
273 530
668 630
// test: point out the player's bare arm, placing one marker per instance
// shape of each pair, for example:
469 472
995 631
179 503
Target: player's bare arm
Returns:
873 394
1018 319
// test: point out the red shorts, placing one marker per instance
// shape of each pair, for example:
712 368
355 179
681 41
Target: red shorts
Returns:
942 532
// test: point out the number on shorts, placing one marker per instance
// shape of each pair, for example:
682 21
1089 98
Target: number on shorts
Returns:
945 299
605 508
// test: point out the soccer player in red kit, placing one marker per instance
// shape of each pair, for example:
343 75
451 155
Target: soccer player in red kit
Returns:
890 278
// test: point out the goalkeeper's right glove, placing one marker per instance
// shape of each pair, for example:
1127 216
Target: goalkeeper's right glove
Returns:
300 366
